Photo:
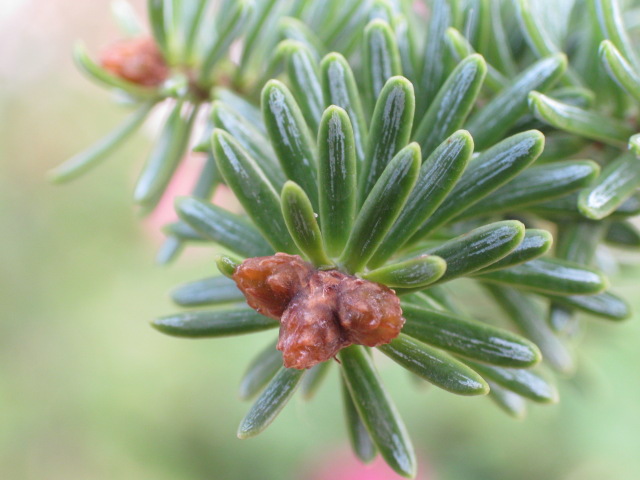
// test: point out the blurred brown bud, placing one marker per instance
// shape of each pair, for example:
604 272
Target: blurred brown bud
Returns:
137 60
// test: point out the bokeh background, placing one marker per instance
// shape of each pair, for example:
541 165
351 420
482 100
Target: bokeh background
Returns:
89 391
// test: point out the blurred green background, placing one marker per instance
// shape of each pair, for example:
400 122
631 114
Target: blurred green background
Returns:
89 391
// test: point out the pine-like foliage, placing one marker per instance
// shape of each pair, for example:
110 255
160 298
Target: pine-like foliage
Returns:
392 147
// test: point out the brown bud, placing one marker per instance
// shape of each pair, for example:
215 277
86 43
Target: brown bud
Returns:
369 312
270 283
310 332
320 311
137 60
